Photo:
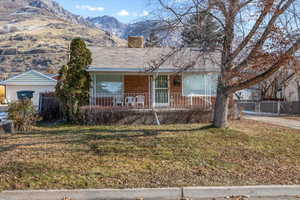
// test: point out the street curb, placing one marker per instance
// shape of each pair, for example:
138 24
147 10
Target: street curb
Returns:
92 194
154 193
252 191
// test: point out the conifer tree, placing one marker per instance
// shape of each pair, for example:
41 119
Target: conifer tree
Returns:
201 31
74 81
152 40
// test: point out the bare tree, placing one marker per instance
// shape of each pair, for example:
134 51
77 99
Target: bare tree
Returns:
260 38
270 88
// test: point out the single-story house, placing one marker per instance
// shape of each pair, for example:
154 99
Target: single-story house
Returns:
152 77
291 89
28 81
286 90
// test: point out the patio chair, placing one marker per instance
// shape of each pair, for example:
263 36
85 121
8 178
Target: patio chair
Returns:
6 101
140 100
130 101
118 100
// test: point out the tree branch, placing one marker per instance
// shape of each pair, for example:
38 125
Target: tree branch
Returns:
274 68
267 31
251 33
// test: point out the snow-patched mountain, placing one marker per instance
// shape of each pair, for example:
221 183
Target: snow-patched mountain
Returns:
109 24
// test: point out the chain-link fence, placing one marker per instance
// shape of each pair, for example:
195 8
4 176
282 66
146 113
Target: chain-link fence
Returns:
272 107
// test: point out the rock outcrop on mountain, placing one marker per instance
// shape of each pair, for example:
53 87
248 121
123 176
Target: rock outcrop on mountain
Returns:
109 24
35 34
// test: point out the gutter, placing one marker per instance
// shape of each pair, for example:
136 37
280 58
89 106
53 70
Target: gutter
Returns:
143 70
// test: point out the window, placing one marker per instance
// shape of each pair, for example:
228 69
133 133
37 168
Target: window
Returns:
109 85
200 84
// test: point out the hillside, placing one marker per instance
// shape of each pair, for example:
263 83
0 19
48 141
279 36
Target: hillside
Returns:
35 34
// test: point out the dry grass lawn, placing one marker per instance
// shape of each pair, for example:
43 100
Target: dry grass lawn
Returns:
69 157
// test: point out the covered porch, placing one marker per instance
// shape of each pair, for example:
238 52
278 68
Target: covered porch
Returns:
170 91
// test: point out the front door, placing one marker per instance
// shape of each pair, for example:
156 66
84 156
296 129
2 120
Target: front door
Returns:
161 90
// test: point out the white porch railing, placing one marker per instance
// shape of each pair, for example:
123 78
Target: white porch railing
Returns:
149 101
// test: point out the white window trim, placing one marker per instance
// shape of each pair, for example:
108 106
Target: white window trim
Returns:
95 85
154 104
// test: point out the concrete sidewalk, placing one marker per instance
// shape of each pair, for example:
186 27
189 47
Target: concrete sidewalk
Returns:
289 123
267 192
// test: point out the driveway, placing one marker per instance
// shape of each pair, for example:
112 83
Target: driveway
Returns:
294 124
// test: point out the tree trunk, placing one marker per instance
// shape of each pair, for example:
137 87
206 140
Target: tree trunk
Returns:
221 109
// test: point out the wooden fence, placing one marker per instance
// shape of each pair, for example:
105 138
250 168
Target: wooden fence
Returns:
50 107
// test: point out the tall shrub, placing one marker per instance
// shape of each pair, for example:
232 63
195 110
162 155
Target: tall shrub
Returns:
74 81
23 114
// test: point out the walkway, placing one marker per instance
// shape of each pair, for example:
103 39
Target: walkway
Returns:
276 121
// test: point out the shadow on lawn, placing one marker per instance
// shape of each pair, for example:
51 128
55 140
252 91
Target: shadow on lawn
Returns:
85 136
142 132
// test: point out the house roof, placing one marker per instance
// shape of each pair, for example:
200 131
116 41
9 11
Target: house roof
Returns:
31 77
142 59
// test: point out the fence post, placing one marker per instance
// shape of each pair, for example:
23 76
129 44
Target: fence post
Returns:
278 107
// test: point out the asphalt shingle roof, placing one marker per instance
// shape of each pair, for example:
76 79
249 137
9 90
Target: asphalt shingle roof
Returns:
144 58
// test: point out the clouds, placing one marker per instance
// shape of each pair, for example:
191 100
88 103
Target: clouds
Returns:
89 8
126 13
145 13
123 13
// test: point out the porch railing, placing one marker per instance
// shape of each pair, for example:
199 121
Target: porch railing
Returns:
147 100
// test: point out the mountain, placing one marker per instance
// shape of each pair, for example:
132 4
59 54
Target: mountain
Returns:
35 34
109 24
141 28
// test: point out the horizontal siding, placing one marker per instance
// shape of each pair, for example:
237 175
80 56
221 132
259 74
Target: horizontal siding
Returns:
29 77
12 90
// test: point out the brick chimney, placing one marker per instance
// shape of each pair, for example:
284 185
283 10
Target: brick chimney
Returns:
135 42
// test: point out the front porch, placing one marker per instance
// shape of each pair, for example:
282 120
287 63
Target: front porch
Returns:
142 92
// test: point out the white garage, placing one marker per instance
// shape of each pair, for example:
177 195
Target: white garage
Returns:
29 81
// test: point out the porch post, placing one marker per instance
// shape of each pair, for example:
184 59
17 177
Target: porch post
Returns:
150 92
94 89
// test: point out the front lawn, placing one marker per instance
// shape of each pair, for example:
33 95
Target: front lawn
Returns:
149 156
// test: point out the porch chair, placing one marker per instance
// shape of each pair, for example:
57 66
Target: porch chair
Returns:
140 100
6 101
130 101
118 100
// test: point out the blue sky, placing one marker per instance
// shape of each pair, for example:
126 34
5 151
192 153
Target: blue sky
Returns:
125 10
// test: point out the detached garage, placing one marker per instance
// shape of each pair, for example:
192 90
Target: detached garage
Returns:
29 81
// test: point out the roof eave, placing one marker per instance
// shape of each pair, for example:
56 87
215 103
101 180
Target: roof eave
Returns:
143 70
28 83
